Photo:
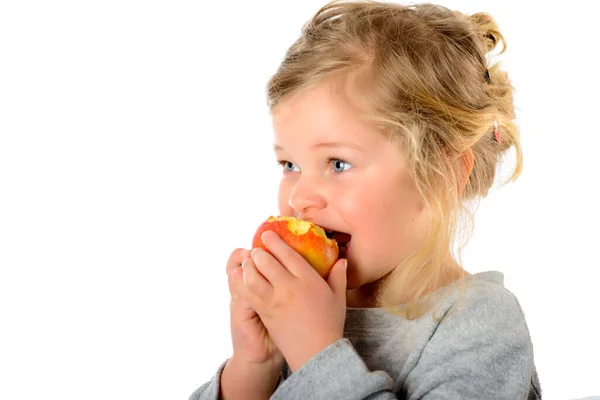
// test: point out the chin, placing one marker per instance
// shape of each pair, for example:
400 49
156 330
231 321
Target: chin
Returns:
352 278
351 285
363 276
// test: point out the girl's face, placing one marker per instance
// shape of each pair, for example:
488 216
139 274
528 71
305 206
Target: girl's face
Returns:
343 174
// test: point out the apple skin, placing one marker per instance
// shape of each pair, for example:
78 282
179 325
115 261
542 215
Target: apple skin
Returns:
305 237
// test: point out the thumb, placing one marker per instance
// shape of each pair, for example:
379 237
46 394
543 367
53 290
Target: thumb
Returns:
337 277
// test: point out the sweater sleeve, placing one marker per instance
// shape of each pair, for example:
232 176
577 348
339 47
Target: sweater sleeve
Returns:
209 390
337 372
482 350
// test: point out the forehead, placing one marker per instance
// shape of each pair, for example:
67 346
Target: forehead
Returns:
325 112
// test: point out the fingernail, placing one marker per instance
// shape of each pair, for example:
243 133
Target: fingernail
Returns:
265 236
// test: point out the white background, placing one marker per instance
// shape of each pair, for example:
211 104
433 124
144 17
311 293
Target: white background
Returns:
135 155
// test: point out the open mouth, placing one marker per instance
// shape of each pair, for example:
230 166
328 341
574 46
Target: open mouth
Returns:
343 240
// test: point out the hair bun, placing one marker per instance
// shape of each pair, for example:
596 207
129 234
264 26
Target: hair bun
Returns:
487 28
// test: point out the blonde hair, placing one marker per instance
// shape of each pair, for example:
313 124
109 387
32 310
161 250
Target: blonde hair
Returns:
427 85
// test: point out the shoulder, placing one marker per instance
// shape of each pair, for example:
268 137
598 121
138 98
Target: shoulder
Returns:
484 295
482 306
488 288
481 345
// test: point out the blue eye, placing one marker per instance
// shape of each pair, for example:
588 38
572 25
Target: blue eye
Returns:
340 165
287 166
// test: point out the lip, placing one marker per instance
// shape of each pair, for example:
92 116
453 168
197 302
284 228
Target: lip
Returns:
325 228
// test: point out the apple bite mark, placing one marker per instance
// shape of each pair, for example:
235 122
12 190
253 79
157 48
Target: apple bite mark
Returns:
305 237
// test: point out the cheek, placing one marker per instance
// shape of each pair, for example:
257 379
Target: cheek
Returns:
364 213
350 204
384 216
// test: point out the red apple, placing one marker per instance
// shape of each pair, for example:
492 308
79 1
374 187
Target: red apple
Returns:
307 238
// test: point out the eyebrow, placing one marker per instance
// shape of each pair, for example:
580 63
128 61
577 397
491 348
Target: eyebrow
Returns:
326 144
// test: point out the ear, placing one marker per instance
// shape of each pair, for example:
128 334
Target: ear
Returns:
468 160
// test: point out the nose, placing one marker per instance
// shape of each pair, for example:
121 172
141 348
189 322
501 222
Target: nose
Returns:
306 194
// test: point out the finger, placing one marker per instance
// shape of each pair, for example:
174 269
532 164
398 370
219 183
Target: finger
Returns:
286 255
255 281
234 263
244 291
237 300
273 271
231 283
337 279
236 258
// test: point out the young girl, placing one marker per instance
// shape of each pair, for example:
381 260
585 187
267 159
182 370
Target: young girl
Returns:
388 122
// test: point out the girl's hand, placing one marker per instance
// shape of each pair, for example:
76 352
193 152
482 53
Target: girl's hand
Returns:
302 312
251 341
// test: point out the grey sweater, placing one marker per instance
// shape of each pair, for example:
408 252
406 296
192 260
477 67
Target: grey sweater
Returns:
481 350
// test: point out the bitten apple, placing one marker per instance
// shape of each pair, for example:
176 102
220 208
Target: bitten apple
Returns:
307 238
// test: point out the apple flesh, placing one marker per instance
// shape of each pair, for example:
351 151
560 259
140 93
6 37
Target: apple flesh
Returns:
307 238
